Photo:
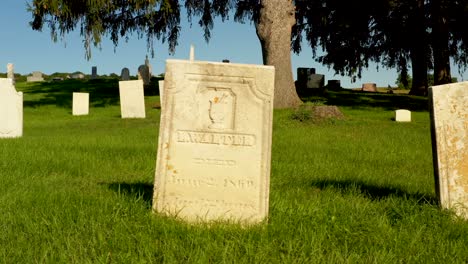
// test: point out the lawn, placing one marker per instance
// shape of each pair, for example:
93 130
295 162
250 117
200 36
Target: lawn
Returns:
78 189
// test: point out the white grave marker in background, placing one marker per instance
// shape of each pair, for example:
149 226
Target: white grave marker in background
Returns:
402 115
11 110
214 147
132 99
80 103
449 117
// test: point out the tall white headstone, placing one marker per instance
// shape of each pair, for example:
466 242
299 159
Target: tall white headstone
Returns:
449 117
80 103
11 110
132 99
214 149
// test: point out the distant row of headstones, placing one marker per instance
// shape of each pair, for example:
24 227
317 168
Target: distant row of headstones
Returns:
215 136
144 74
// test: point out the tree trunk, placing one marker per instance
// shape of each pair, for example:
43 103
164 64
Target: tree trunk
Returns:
440 40
419 50
274 32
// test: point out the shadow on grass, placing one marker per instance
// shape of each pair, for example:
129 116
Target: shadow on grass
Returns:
134 190
359 99
374 192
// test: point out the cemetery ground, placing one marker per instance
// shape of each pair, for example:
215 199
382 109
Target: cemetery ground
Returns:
78 189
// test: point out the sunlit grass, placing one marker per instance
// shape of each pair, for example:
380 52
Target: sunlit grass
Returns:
359 190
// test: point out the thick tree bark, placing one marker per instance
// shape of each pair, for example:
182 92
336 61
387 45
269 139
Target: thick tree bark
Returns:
274 32
419 51
440 40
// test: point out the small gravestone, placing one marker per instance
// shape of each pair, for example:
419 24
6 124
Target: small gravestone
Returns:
125 75
303 74
94 72
143 74
11 110
132 99
80 103
11 72
161 92
402 115
214 150
36 77
449 119
334 84
369 87
315 81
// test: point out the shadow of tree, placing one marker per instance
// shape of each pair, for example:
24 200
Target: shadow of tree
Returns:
134 190
359 99
374 192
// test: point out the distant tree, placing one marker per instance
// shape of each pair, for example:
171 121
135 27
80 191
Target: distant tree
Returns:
160 19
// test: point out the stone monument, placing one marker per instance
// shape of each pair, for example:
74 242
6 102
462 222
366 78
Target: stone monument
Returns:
11 110
192 53
214 149
132 99
80 103
36 77
11 72
94 72
125 75
449 127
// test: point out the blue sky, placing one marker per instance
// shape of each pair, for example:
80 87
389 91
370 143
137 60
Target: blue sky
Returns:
32 51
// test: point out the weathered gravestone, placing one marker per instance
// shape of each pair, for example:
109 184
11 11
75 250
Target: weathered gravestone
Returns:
93 72
402 115
369 87
449 117
11 72
80 103
143 74
161 92
214 149
315 81
11 110
36 77
125 75
334 84
303 74
132 99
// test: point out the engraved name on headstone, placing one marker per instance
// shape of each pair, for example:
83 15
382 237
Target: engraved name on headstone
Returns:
80 103
214 149
143 74
11 110
132 99
449 119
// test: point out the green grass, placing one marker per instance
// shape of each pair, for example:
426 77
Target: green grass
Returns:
359 190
